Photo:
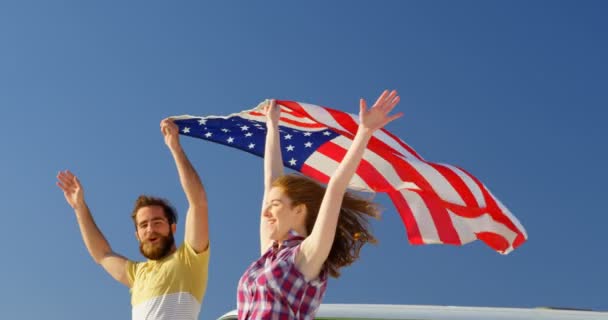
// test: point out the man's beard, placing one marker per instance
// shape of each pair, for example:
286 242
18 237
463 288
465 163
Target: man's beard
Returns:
159 250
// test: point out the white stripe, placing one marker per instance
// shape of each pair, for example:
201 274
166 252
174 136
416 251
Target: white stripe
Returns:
384 167
440 185
394 144
179 306
423 217
293 117
468 227
328 166
321 115
325 117
244 114
284 115
470 183
508 213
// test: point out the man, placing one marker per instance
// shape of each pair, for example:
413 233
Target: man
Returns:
172 283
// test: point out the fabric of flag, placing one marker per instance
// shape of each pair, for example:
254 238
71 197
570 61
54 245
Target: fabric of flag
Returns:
438 203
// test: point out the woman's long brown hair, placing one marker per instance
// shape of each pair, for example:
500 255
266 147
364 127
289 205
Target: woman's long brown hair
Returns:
353 224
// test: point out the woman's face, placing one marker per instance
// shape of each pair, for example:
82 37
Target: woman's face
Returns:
279 215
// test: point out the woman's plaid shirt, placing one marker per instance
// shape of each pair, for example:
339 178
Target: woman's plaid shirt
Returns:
273 288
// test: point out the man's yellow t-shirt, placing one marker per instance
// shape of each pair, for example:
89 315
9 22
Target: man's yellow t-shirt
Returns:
170 288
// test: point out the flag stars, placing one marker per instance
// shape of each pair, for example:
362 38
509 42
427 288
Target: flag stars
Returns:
208 134
307 134
251 145
230 140
288 137
248 134
186 130
326 133
202 121
244 128
225 130
308 144
289 148
293 162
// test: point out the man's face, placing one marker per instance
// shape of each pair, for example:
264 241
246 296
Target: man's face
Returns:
154 233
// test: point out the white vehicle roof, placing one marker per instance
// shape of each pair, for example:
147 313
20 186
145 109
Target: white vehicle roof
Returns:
417 312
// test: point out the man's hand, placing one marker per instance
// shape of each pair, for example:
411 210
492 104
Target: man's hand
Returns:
72 190
96 243
171 133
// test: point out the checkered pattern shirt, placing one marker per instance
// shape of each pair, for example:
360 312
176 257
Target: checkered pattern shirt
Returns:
272 288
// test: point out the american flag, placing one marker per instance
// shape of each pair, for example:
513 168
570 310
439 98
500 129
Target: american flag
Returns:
438 203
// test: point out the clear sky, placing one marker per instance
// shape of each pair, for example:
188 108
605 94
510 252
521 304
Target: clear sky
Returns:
513 91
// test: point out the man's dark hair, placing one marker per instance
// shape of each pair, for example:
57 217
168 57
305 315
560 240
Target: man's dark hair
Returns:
147 201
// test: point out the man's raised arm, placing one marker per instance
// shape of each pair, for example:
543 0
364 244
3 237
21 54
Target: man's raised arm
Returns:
196 232
96 243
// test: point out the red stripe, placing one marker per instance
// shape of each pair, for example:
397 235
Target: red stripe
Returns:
405 212
347 122
458 184
344 119
314 173
443 222
366 171
519 240
296 109
301 111
402 144
307 125
465 212
291 107
498 216
256 113
493 208
302 124
494 240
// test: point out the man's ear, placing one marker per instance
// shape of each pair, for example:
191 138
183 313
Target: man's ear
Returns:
173 228
137 236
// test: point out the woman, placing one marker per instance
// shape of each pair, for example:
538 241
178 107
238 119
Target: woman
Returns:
307 231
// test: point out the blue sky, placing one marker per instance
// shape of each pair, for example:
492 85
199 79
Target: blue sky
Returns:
514 92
